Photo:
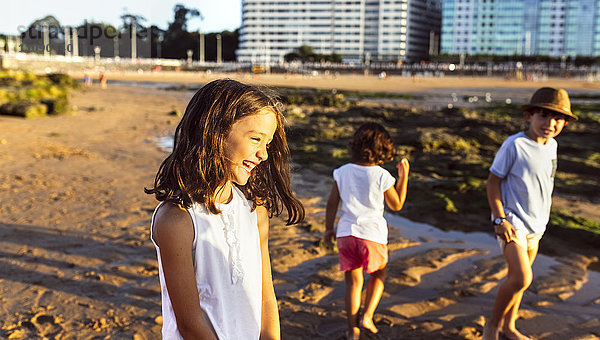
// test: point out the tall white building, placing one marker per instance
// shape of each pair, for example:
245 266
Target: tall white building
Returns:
356 29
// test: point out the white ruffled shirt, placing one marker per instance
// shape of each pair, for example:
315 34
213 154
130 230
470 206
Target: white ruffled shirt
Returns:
228 270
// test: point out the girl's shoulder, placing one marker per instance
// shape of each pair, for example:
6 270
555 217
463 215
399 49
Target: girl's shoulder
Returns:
172 221
351 170
342 170
359 168
170 206
345 166
354 167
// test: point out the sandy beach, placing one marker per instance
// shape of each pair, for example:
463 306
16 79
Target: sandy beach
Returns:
349 81
77 262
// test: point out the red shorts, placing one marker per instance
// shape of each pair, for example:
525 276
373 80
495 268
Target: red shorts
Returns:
357 252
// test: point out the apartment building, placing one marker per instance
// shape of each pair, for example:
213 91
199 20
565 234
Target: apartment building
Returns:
359 30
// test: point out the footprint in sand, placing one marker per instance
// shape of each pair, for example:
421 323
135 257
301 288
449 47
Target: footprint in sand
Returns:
41 325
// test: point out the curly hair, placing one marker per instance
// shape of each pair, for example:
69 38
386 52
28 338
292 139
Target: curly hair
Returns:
197 167
371 144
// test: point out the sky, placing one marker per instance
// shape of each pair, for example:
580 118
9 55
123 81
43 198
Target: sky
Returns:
218 15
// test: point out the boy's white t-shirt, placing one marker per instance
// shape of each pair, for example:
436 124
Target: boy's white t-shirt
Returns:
527 169
361 190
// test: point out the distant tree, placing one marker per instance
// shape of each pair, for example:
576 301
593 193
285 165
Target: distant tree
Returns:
292 56
336 57
177 40
485 58
586 60
181 17
32 40
133 19
92 34
144 39
158 36
53 24
305 53
229 43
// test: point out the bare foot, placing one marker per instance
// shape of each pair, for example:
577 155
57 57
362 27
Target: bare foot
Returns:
513 334
368 324
354 334
489 333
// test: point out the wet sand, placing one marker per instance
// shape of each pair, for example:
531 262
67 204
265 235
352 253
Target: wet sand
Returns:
77 261
440 285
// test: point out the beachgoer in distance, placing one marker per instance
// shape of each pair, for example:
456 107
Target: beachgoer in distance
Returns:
87 80
229 170
519 190
362 187
102 78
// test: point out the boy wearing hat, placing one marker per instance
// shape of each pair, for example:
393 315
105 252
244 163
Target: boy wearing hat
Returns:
519 190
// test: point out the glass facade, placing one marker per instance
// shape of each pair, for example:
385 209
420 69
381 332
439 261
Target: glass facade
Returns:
525 27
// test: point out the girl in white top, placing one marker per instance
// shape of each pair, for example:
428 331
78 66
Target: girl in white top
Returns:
228 171
362 187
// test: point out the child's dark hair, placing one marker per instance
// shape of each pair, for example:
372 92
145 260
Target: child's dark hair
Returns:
196 168
372 144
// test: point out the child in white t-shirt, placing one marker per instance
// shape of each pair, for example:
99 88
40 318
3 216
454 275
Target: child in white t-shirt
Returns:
362 187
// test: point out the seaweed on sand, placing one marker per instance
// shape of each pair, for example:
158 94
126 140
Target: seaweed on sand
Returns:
23 93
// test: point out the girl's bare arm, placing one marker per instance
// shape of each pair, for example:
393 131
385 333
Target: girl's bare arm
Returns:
330 212
174 234
270 328
396 195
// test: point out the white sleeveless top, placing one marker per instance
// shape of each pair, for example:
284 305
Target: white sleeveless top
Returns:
228 270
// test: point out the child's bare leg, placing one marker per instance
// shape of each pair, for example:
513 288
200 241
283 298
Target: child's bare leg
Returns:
508 327
354 283
518 279
374 292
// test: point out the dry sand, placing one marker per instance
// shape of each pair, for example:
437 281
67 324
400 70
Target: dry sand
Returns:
77 263
350 82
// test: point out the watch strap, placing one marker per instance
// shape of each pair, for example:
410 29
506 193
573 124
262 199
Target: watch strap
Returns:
499 220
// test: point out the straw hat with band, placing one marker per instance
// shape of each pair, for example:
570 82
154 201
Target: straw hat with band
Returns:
552 99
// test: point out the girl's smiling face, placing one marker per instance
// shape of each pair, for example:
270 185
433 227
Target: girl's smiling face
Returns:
247 142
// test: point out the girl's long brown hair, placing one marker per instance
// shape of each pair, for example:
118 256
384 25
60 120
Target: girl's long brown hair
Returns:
196 168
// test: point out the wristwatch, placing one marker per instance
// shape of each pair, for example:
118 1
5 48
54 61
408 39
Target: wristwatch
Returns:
499 220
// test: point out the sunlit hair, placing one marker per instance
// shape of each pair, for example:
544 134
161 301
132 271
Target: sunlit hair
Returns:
372 144
197 167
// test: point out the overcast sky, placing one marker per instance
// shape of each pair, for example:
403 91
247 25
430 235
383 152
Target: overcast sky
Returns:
218 15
